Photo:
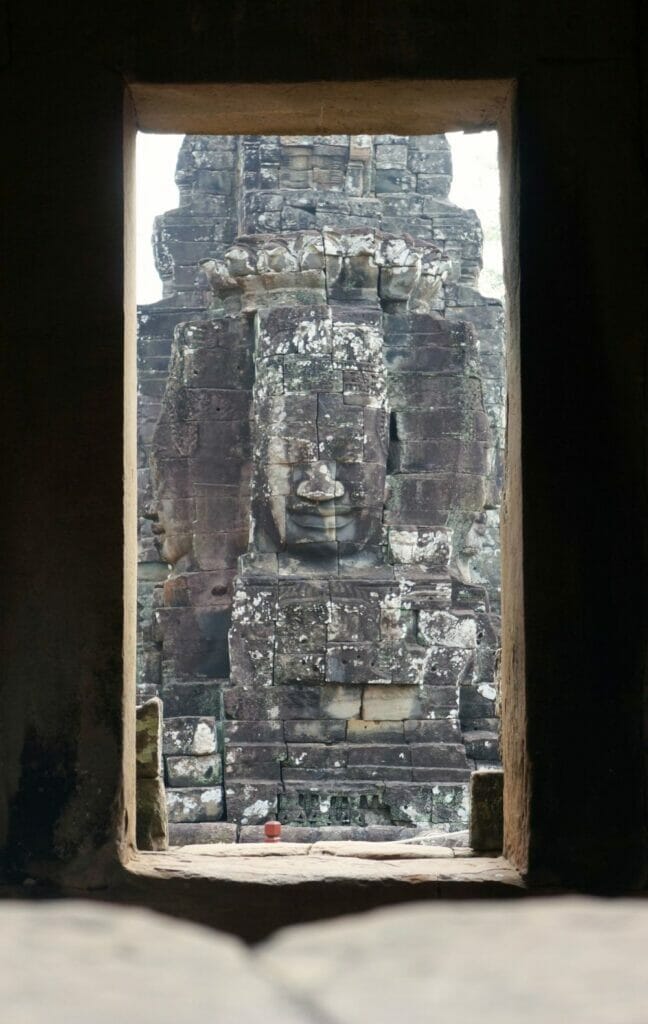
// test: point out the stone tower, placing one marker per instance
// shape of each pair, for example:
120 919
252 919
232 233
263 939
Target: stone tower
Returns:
321 450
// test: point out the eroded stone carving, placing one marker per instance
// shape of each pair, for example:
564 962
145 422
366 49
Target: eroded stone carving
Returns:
336 591
323 469
152 819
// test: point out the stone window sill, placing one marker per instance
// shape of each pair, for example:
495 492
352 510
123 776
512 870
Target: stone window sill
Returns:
294 863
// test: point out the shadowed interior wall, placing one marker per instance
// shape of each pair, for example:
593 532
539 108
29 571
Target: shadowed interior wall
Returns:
581 120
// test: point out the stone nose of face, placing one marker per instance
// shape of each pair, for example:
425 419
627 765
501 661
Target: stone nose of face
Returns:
319 485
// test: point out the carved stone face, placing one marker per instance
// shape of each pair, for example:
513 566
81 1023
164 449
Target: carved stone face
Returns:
321 456
335 502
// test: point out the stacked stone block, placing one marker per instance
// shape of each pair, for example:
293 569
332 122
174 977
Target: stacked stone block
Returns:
235 185
195 436
151 807
193 769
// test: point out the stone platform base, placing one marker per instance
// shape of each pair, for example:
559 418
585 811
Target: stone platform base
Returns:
207 832
353 833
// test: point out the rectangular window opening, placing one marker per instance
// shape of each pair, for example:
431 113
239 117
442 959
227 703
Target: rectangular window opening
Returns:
321 418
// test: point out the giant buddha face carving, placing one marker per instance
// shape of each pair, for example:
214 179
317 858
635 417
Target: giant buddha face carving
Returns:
334 503
321 424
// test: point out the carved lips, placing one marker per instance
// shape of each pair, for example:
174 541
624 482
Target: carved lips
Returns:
317 513
322 518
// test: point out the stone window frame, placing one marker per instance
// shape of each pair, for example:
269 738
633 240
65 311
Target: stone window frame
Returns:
417 106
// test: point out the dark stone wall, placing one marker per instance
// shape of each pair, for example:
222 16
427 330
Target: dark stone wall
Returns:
581 127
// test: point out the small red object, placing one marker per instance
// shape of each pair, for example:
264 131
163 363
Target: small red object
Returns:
272 831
